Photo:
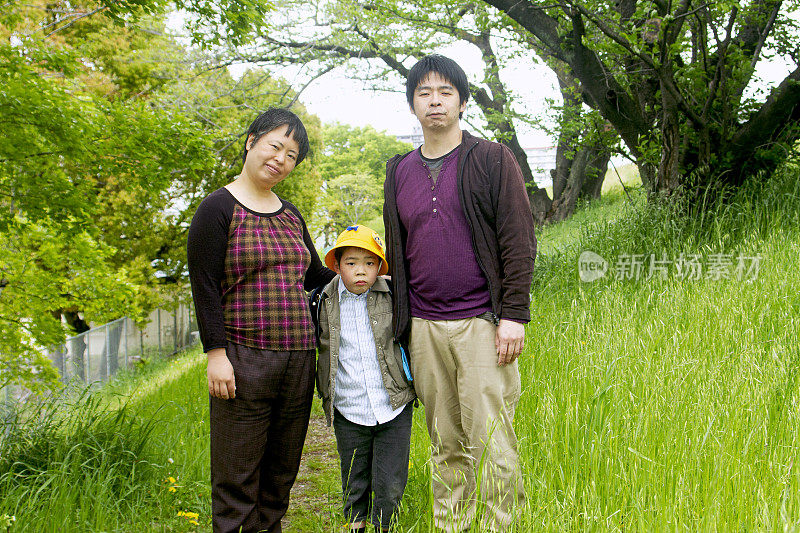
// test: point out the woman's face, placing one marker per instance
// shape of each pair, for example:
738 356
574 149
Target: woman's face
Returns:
271 158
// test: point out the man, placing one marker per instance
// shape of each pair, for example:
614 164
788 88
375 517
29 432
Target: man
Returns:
461 252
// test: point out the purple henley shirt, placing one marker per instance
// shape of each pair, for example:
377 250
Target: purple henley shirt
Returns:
445 281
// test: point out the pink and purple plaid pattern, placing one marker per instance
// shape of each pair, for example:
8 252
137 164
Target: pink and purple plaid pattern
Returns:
262 293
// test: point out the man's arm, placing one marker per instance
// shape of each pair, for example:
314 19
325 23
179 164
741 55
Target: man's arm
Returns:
516 239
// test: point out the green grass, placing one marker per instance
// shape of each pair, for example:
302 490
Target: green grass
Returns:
648 405
658 404
103 461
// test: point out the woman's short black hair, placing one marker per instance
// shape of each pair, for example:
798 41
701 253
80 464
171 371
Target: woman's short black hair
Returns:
444 67
275 117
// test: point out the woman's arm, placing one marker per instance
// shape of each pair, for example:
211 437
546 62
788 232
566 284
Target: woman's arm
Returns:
207 246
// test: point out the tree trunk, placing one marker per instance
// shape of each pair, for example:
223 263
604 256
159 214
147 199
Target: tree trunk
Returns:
584 178
580 167
539 199
669 176
78 325
595 174
540 205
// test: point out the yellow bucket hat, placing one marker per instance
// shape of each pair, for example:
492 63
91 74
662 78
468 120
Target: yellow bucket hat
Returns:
360 237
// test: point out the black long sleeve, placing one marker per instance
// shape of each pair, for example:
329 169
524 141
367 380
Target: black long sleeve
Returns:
207 245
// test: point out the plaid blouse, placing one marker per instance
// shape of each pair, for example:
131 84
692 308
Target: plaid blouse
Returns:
248 272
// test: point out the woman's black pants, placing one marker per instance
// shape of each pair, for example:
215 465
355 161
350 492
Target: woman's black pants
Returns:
257 438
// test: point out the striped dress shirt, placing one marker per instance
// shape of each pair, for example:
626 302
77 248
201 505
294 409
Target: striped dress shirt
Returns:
359 392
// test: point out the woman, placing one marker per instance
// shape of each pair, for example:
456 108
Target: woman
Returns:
250 257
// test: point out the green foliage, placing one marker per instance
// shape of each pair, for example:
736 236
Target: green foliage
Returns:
46 270
81 171
349 199
352 168
228 21
113 133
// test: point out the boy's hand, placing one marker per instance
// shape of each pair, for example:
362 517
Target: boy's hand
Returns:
221 381
509 340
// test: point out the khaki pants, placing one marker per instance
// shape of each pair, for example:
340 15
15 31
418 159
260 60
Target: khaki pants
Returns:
469 408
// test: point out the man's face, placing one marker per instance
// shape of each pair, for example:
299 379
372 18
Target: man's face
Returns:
437 103
358 269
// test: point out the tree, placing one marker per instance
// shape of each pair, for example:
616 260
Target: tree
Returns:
350 198
678 82
102 160
352 169
391 32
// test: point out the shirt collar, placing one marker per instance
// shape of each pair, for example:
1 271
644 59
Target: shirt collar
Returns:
344 293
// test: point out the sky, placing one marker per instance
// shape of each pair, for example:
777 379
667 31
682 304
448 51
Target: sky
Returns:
337 98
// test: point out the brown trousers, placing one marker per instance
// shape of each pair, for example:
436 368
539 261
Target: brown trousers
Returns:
469 409
257 438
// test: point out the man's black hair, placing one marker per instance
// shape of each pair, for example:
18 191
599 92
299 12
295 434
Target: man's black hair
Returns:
275 117
445 67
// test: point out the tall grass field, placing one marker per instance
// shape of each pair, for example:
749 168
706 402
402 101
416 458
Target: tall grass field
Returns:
654 399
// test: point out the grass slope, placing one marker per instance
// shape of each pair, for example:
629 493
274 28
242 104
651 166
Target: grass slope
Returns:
656 404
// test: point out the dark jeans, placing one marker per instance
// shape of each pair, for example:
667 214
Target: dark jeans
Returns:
257 438
374 460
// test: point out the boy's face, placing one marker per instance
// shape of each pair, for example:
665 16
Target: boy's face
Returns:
358 269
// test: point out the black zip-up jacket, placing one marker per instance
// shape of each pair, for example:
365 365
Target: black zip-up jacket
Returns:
492 194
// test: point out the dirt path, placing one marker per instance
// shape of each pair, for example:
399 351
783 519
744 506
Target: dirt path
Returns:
316 495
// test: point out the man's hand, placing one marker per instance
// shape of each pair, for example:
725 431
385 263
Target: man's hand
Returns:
508 340
221 382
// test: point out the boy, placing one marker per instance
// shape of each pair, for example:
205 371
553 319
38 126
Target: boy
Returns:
363 379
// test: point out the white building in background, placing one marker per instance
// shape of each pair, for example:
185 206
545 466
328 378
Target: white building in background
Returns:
542 159
416 138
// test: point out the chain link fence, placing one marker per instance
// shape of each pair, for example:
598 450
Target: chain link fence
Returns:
96 355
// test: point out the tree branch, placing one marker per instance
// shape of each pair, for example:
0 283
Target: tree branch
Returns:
74 20
535 20
719 72
763 33
782 105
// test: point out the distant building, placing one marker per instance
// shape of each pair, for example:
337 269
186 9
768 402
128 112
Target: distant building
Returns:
416 138
542 159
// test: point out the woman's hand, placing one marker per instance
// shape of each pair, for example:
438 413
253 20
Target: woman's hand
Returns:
221 381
